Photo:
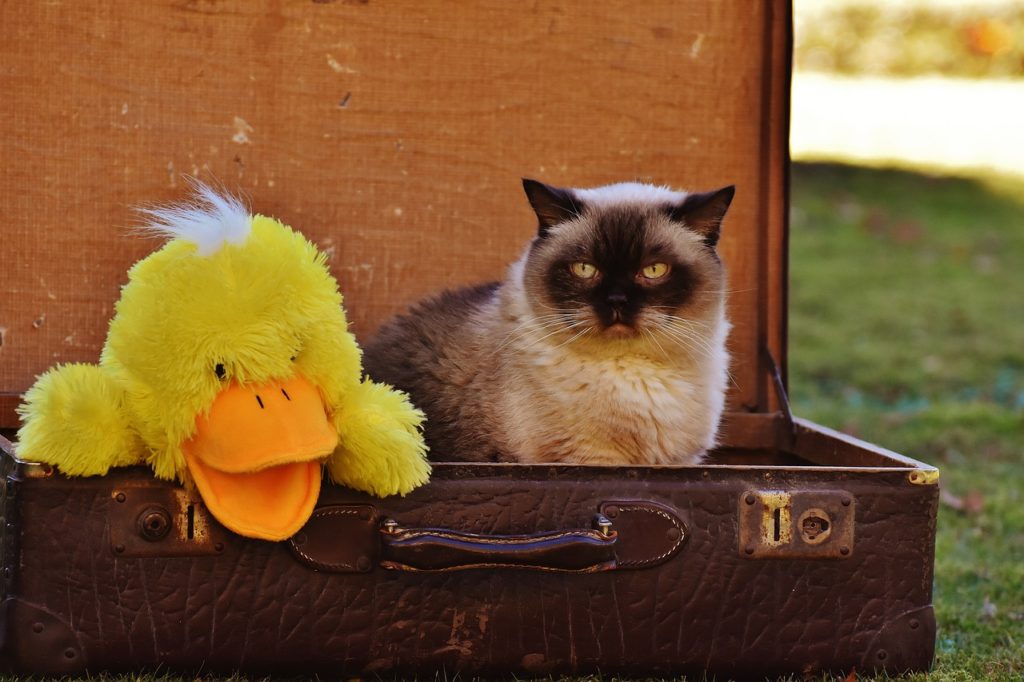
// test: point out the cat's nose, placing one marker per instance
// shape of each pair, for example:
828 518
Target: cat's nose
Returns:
616 298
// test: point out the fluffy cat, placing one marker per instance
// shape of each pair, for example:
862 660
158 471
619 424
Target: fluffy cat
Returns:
605 343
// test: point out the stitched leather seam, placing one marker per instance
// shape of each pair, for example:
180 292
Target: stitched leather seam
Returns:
671 519
315 562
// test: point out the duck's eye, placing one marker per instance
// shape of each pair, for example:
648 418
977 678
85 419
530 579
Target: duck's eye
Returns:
655 270
583 270
219 371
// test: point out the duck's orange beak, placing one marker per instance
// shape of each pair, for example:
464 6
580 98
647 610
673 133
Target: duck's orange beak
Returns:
256 456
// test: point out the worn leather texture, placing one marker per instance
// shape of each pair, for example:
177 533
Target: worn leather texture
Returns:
256 607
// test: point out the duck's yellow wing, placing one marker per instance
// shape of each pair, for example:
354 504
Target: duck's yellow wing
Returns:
381 449
75 418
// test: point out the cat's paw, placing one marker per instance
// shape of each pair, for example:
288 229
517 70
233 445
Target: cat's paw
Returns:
74 417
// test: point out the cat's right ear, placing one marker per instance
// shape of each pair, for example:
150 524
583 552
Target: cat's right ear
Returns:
703 212
552 205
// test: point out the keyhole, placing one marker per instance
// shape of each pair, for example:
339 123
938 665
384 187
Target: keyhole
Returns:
154 523
815 526
190 521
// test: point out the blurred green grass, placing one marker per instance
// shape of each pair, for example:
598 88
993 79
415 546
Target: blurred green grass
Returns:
907 329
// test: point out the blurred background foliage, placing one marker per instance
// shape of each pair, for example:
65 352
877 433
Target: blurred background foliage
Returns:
901 39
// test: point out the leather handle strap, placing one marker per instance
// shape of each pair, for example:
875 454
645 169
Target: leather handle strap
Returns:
435 549
355 539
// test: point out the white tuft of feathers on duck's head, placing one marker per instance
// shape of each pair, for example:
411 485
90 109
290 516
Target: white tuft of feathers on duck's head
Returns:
209 220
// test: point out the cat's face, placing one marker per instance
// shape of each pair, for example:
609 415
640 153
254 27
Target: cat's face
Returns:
626 261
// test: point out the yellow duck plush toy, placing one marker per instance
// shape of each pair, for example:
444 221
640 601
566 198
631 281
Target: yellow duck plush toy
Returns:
229 366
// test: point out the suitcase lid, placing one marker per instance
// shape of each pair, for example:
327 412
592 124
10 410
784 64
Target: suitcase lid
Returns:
394 137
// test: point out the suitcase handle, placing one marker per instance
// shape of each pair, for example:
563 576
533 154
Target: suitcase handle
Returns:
437 549
356 539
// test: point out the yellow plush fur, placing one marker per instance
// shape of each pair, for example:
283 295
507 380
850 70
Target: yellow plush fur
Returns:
263 308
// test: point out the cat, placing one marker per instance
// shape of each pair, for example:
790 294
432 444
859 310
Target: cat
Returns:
605 343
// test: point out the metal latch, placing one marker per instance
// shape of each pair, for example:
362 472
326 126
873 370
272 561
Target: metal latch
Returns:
162 521
776 524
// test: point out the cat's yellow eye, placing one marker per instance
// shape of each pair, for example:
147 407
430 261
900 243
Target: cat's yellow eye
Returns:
655 270
583 270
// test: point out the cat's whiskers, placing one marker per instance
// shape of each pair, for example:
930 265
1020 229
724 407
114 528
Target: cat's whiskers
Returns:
578 334
648 333
686 343
665 318
545 320
687 320
697 340
520 333
545 337
698 333
528 328
684 336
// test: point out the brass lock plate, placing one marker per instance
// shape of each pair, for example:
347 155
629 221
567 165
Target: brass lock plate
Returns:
795 524
162 521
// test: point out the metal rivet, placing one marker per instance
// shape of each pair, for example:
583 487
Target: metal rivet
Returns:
37 628
7 572
844 550
611 511
219 547
750 499
70 653
915 624
846 501
749 549
768 476
390 526
882 654
673 533
705 473
604 526
363 563
120 497
119 549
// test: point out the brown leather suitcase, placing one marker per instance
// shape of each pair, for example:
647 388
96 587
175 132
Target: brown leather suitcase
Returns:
394 136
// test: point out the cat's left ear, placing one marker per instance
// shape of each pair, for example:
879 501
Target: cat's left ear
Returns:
552 205
703 212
